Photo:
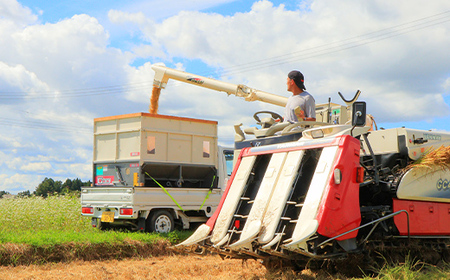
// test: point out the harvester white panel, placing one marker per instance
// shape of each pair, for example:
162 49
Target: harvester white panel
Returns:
231 201
425 184
254 221
200 234
281 193
307 224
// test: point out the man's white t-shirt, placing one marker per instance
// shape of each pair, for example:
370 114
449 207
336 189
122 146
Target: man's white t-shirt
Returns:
306 103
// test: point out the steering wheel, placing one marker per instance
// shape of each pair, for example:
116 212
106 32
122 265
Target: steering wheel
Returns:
274 115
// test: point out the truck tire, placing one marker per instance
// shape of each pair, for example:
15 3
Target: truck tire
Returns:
161 221
103 226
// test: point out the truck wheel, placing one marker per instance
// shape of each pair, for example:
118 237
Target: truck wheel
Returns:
162 222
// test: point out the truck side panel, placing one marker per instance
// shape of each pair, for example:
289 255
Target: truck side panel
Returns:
145 199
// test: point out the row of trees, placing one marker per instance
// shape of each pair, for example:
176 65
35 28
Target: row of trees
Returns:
50 186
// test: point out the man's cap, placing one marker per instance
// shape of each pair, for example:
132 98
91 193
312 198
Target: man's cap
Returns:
298 78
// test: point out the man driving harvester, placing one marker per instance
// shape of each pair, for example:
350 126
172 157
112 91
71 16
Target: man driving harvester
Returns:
299 98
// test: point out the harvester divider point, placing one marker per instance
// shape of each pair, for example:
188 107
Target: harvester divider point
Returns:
223 241
274 241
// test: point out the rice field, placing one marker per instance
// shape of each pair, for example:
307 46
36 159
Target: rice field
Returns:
57 220
35 220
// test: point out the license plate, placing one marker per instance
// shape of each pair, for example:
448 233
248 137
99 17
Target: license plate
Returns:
107 217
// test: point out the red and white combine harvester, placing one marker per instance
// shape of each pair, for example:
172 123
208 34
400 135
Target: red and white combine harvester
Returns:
323 190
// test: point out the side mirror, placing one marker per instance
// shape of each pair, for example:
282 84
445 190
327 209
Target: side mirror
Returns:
359 113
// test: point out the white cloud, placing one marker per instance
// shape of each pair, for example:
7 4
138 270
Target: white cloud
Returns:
160 9
17 77
446 84
39 167
20 182
12 11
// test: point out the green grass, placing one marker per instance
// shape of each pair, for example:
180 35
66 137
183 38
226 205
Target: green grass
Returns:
413 270
57 220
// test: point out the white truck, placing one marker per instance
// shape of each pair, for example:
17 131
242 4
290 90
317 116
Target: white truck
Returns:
152 172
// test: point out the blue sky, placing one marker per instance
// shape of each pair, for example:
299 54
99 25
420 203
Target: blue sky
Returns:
64 63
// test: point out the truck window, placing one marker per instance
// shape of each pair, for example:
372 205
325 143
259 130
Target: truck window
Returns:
229 154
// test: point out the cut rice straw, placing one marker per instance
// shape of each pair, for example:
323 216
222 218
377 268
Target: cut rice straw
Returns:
433 159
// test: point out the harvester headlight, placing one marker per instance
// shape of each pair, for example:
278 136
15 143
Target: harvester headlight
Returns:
337 176
318 133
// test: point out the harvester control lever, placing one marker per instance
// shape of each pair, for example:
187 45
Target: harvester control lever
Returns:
420 141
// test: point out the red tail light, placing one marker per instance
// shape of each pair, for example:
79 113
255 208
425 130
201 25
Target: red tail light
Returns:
359 174
126 211
87 210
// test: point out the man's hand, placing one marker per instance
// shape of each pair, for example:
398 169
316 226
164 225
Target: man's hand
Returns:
299 113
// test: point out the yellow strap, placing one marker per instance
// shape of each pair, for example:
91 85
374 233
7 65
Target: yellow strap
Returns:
209 192
173 199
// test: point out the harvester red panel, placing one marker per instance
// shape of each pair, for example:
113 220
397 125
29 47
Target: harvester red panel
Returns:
425 218
339 210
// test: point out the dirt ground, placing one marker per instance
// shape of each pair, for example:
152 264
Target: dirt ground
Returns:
166 267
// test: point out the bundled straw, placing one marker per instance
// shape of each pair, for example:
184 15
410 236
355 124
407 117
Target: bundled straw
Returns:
434 159
153 109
